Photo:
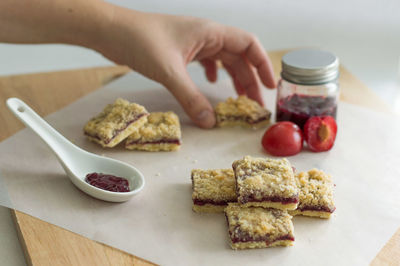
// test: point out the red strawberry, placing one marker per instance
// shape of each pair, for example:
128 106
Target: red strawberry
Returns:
320 133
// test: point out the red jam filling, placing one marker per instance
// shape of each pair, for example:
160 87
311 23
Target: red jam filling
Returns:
247 119
316 208
170 141
239 236
108 182
298 108
251 198
213 202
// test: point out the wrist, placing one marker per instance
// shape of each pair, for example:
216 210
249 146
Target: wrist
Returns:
90 30
117 32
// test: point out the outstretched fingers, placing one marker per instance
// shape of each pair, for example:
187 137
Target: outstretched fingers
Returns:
243 75
210 67
238 87
195 104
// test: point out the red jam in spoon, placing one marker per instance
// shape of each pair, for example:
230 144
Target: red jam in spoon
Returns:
108 182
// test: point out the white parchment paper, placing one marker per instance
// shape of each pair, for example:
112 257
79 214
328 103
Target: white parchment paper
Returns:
159 224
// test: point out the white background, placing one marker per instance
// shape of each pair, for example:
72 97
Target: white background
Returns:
364 34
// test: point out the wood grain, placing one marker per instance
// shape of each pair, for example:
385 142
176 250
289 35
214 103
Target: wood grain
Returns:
47 244
390 253
44 243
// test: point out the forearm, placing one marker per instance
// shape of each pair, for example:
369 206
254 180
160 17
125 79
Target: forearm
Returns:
155 45
78 22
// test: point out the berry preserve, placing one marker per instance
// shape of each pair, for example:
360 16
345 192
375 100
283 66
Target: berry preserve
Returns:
308 86
108 182
297 108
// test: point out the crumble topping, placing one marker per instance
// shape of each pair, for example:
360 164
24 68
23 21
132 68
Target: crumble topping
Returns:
114 119
255 224
159 126
241 108
216 185
264 177
316 189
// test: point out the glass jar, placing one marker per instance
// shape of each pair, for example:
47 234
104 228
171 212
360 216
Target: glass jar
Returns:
308 86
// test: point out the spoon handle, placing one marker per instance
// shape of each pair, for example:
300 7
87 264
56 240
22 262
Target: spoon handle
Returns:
58 143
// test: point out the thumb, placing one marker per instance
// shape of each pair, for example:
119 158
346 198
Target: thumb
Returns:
195 104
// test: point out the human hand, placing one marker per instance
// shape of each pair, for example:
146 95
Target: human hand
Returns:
160 47
157 46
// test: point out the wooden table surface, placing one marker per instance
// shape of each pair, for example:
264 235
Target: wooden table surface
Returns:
47 244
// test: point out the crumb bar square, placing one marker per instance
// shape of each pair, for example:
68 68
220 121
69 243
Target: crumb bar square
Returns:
265 182
316 194
115 123
162 132
241 112
255 227
212 189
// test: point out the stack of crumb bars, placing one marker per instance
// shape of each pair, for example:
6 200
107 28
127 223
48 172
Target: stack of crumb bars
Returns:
161 131
122 120
259 197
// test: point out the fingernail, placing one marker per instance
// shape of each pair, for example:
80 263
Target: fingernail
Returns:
206 119
204 115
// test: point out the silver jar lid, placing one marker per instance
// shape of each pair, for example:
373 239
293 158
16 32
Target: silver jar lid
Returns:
310 67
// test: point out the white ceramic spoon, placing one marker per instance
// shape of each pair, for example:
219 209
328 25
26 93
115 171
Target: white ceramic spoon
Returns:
76 162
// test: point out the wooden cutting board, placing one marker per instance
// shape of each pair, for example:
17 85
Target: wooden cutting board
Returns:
47 244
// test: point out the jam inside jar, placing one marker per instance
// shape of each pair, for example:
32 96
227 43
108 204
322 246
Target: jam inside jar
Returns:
298 108
308 86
